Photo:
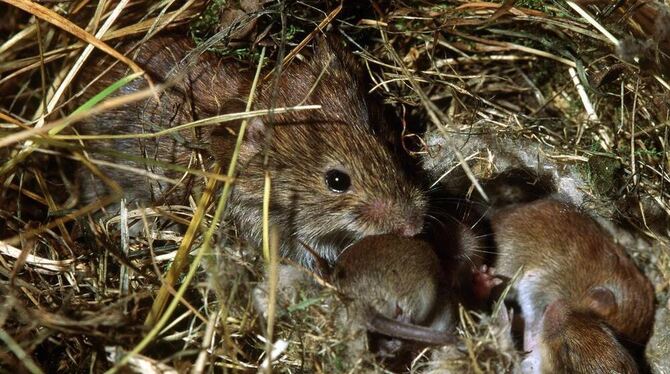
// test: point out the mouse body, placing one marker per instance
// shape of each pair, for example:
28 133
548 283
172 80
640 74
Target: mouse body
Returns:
576 286
334 176
397 287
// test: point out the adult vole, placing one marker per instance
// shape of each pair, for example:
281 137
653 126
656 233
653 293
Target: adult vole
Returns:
334 177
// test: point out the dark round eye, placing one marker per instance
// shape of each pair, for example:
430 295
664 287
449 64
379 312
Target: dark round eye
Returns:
337 180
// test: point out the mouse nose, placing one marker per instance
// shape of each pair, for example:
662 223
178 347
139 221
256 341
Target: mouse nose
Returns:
408 229
387 217
411 224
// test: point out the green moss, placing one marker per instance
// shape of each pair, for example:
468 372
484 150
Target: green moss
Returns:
652 152
293 31
540 5
205 24
605 173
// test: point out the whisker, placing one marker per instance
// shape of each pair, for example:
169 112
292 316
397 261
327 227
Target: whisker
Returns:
484 236
457 200
430 216
488 252
446 216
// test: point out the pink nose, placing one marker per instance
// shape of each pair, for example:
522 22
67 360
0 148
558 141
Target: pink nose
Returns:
408 229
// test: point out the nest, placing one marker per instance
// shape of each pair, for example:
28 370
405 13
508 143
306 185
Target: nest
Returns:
77 285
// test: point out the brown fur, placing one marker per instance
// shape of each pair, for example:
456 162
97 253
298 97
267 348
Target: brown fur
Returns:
300 146
579 341
396 278
574 259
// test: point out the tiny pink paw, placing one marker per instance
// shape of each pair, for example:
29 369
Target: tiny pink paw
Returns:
483 281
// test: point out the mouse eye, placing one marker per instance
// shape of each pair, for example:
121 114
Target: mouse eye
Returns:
338 180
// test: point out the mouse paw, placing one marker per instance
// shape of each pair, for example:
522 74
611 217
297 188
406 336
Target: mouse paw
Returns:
483 281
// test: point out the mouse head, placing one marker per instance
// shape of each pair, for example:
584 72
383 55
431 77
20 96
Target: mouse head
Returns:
334 178
578 341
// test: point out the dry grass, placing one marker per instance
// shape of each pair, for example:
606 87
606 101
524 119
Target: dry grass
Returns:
76 289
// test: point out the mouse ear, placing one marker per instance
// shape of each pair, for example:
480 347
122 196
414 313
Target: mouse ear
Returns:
331 53
555 316
224 136
601 301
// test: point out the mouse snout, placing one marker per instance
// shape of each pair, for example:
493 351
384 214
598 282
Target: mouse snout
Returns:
411 223
408 229
389 218
408 224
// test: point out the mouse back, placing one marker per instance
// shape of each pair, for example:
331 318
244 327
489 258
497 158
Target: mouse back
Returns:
182 78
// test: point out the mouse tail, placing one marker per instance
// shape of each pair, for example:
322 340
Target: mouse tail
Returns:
397 329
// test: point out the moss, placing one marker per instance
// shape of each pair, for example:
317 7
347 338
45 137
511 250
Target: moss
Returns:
205 24
605 174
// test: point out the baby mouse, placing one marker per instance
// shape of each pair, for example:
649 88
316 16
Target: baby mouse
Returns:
334 177
581 296
397 288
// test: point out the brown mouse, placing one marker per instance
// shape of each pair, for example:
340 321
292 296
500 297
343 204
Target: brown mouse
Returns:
397 288
334 177
581 296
